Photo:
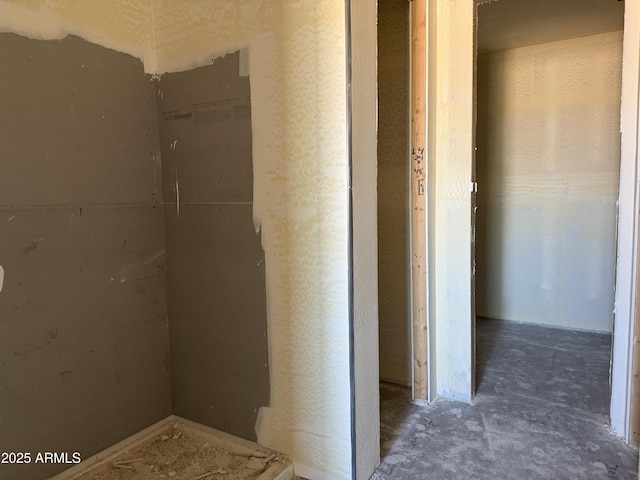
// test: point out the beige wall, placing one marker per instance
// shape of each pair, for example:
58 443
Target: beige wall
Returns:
548 169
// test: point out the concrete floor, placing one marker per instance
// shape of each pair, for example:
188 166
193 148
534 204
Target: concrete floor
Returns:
541 412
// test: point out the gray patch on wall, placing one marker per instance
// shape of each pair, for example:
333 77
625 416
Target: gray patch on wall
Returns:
216 272
83 322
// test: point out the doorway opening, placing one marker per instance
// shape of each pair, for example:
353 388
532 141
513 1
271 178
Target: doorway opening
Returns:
547 166
394 229
470 435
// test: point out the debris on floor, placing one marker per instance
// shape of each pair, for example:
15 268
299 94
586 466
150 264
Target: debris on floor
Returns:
181 452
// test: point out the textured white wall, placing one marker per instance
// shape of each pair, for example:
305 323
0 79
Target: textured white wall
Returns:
548 170
450 167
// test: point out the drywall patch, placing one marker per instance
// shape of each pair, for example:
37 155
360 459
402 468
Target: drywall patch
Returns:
215 268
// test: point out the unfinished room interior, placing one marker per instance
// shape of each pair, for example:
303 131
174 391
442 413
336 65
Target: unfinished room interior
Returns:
546 143
326 239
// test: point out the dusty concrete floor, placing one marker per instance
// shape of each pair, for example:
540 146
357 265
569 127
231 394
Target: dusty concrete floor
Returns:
541 412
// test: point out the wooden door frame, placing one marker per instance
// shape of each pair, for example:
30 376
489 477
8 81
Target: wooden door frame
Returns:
625 399
419 194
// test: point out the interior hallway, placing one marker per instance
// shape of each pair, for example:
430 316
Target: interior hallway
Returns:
541 412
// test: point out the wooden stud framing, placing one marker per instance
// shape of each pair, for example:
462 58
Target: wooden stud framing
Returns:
418 196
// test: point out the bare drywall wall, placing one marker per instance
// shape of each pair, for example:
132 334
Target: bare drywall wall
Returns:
215 262
393 191
548 172
84 345
298 102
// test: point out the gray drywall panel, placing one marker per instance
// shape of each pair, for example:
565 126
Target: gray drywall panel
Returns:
205 117
79 125
84 345
215 263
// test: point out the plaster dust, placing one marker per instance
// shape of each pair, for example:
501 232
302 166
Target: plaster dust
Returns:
183 452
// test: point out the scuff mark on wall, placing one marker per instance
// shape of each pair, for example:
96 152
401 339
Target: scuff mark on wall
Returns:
138 270
34 347
1 277
32 246
153 257
177 189
66 376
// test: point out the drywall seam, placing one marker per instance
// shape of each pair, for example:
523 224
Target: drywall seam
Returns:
121 25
